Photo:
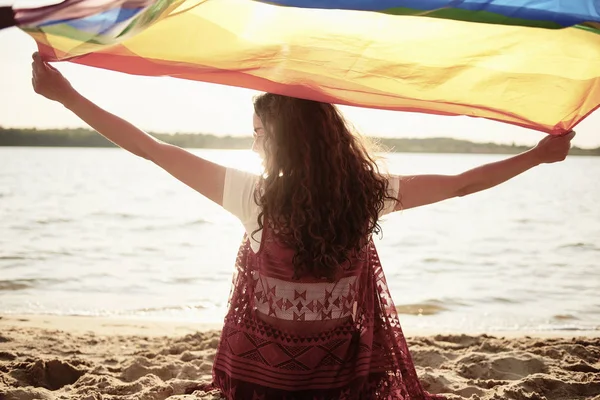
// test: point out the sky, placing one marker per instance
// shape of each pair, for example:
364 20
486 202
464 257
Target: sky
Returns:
170 105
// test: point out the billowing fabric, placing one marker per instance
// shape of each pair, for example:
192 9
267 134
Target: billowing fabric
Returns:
532 63
311 339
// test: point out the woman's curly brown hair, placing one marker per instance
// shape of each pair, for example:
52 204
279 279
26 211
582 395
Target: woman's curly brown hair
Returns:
321 192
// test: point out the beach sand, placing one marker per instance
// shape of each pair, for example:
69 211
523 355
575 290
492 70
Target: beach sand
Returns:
46 357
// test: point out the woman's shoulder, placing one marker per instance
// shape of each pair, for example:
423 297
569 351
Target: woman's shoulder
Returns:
239 175
238 193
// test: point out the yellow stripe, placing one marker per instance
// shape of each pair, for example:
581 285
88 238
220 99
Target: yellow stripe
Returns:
520 74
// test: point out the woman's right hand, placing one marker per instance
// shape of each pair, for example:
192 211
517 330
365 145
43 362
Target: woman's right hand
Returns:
48 81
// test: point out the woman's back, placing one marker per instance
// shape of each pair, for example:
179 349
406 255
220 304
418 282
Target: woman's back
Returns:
322 190
308 304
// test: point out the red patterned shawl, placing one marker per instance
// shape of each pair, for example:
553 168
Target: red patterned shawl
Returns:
310 338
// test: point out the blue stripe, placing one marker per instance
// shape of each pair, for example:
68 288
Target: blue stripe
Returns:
562 12
98 23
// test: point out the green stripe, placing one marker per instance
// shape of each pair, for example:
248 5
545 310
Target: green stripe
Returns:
67 31
148 16
593 27
485 17
62 30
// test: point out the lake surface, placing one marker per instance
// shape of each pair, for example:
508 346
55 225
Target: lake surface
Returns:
100 232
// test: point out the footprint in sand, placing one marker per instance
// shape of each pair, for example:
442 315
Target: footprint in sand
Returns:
588 352
141 367
552 388
501 367
51 374
428 357
5 355
458 342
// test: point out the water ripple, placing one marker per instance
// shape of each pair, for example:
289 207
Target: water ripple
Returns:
49 221
580 245
22 284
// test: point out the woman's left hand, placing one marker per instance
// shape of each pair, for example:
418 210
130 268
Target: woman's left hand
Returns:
553 149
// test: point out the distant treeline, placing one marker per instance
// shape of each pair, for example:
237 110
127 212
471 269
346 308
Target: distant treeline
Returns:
88 138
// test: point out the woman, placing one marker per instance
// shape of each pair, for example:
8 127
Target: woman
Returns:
310 315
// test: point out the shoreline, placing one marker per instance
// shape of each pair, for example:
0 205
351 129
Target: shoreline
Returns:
87 138
105 326
577 152
154 327
70 357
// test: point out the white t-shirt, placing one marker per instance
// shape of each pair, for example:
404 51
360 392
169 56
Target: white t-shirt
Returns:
238 199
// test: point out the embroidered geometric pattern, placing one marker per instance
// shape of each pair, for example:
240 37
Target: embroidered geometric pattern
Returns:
297 301
362 357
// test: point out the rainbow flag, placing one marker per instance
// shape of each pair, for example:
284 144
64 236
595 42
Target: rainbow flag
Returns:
532 63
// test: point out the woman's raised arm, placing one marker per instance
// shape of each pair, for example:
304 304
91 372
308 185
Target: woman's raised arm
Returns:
420 190
201 175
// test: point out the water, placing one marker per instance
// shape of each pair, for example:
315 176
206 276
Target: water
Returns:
101 232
